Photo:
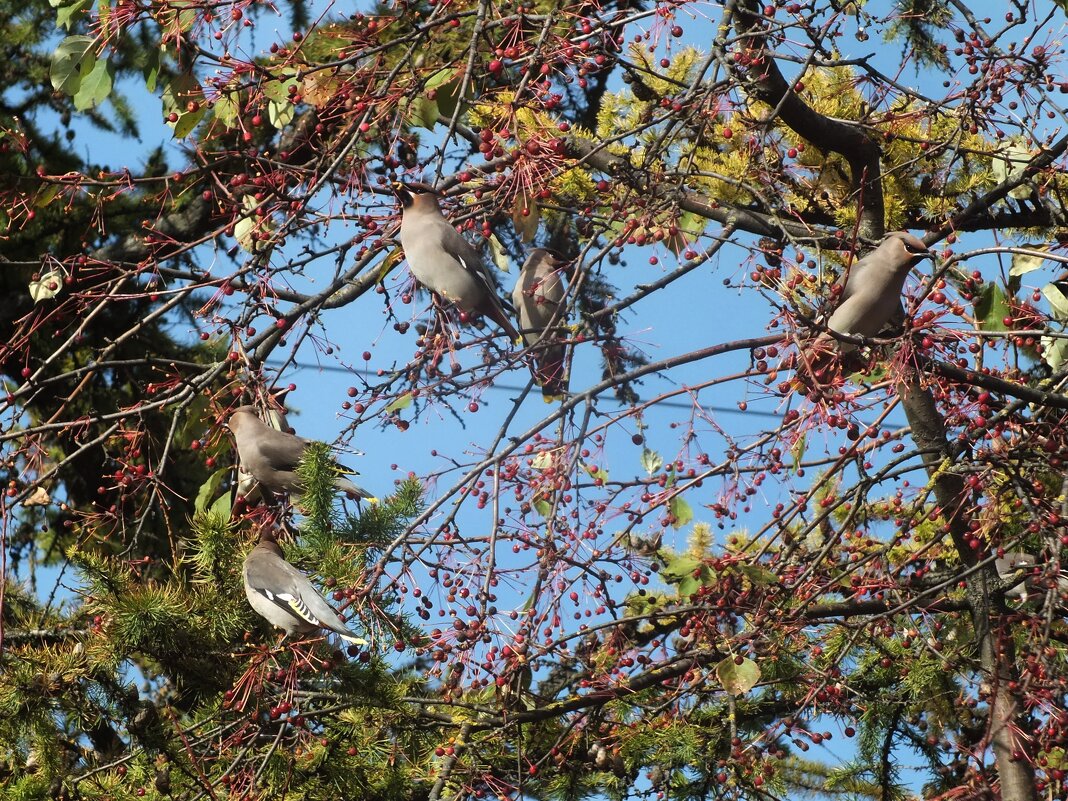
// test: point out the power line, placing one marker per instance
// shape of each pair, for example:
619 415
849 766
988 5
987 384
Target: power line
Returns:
330 368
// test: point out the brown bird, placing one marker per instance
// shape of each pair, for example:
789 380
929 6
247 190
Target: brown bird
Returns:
872 290
272 456
869 299
443 261
539 299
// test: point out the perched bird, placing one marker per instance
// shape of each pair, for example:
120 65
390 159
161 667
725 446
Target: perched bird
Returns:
872 291
272 456
539 299
1021 566
283 596
443 261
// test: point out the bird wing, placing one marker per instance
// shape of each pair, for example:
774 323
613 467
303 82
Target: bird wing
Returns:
464 253
282 450
274 580
286 587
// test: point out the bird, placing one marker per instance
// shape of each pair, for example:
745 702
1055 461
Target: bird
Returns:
284 596
869 298
272 456
442 260
1020 566
539 300
872 290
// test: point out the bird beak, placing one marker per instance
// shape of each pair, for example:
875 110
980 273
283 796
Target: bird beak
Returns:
402 193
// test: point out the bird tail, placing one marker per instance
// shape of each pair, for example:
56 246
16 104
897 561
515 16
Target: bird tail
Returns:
549 372
345 485
496 313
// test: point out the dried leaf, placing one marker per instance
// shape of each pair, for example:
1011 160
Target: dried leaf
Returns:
39 497
47 287
525 216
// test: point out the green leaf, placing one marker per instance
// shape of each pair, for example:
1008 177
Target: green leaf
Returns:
1023 263
95 86
403 402
278 90
187 122
439 78
679 566
1058 303
797 452
1009 161
542 460
690 227
243 233
595 472
542 507
280 114
221 507
991 308
226 110
688 586
424 112
445 87
66 14
1054 351
738 679
45 196
176 98
681 510
438 98
66 70
151 70
651 461
209 488
758 574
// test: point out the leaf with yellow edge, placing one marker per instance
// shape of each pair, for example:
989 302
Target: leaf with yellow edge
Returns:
392 260
225 108
1058 302
680 510
1054 351
499 254
280 114
403 402
542 461
248 228
1023 263
738 675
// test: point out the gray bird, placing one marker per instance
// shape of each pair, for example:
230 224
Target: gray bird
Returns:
443 261
872 291
272 456
539 299
283 596
1021 566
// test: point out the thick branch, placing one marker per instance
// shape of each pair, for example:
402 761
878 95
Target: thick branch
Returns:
838 136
